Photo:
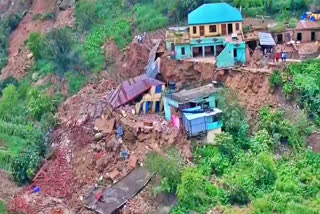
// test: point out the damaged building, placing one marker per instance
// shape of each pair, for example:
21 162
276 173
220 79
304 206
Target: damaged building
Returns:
214 31
194 111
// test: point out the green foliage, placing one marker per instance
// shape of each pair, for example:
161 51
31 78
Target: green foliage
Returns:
48 16
234 117
196 193
9 104
7 25
26 165
6 82
280 27
211 160
168 168
279 128
3 208
148 18
26 116
38 103
36 17
36 44
76 81
275 79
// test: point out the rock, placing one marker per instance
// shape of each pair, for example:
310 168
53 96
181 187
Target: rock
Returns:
35 76
30 55
114 174
98 136
133 161
106 126
65 4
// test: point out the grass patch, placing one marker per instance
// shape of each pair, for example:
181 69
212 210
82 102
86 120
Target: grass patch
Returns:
3 208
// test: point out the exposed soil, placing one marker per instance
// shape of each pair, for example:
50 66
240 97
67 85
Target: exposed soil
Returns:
7 187
314 142
18 60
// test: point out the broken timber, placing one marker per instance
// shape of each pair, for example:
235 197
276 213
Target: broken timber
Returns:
116 196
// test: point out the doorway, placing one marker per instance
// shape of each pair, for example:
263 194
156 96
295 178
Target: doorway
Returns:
235 53
202 31
224 29
299 36
280 38
197 51
230 29
313 36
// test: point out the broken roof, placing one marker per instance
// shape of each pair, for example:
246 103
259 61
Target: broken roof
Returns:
214 13
130 89
194 115
307 25
193 94
266 39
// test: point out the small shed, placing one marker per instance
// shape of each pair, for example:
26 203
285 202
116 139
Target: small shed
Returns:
266 41
197 121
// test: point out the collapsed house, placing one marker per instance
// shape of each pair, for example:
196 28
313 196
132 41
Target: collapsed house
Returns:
143 91
305 31
195 109
215 30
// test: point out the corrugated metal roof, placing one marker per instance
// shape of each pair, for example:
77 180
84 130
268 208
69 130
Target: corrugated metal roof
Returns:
266 39
130 89
214 13
154 69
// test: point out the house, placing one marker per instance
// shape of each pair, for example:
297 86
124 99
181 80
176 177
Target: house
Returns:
196 121
305 31
144 91
214 30
194 110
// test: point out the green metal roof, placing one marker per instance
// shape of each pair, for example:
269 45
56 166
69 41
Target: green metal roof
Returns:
214 13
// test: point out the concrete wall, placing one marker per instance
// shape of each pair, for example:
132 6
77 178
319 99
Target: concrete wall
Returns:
306 36
187 50
218 32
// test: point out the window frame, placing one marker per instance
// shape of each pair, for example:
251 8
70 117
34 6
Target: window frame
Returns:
237 26
214 28
183 51
194 29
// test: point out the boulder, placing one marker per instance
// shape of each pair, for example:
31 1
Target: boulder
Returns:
98 136
65 4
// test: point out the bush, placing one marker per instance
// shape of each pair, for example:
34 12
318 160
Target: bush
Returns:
238 195
76 81
9 104
148 18
38 103
233 117
3 208
7 25
275 79
168 168
196 193
25 166
48 16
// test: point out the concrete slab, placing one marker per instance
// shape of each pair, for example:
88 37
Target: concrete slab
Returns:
117 195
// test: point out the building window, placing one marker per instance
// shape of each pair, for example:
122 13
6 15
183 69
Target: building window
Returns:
183 51
235 55
237 27
194 29
213 28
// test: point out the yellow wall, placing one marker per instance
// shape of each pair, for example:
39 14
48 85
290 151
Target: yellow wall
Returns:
218 27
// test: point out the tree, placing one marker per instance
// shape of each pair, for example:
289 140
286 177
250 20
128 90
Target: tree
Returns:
9 105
